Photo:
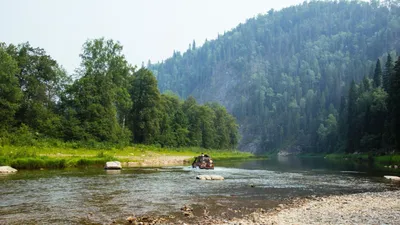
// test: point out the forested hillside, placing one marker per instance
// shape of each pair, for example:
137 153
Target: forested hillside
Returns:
109 101
286 75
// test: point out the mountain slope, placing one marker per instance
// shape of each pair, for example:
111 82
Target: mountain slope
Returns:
284 73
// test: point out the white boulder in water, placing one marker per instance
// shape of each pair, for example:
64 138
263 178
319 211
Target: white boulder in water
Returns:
7 169
115 165
395 178
209 177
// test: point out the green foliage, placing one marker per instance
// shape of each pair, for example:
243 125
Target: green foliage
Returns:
98 102
23 136
41 81
109 105
145 114
10 93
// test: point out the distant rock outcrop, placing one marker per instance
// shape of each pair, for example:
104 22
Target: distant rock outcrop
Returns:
7 169
115 165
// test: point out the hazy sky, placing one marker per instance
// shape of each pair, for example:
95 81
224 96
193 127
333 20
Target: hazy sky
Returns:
148 29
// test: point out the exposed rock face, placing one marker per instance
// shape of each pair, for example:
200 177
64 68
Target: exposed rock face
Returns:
209 177
7 169
113 165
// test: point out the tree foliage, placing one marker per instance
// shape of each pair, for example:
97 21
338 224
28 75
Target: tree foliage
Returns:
109 102
10 93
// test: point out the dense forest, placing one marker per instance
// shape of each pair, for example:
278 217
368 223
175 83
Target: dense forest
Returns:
290 77
107 101
372 118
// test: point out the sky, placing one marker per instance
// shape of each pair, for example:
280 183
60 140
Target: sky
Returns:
148 29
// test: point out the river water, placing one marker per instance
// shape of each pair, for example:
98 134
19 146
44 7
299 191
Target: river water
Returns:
94 196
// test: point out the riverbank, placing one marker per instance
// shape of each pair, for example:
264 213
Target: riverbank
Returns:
362 208
388 160
33 157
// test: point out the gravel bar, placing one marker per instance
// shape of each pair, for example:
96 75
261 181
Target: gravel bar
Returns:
361 208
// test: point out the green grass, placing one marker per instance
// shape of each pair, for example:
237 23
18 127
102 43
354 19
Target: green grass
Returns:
53 163
384 160
336 156
51 158
56 157
311 155
37 163
388 160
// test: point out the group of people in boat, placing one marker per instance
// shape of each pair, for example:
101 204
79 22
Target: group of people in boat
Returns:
203 161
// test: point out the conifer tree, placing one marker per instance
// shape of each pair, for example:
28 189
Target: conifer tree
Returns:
351 117
378 74
394 103
387 73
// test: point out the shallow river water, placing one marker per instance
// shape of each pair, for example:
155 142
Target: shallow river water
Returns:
92 195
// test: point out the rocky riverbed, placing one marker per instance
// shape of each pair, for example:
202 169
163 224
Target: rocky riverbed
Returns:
362 208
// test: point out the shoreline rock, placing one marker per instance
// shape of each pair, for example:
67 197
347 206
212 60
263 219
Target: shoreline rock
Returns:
115 165
209 177
394 178
7 169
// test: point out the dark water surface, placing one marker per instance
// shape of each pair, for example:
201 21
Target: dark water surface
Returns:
92 195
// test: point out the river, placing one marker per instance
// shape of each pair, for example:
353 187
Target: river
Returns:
94 196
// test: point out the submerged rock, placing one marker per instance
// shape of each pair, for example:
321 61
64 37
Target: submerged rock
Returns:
209 177
115 165
7 169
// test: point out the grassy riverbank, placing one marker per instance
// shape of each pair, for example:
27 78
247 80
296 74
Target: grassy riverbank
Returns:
389 159
36 157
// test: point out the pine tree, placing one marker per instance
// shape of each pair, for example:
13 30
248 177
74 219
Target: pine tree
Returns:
394 103
351 117
378 74
387 73
194 45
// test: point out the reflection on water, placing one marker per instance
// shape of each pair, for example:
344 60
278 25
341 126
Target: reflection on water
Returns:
76 195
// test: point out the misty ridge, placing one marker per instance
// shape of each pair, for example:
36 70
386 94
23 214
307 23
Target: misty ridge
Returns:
287 76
